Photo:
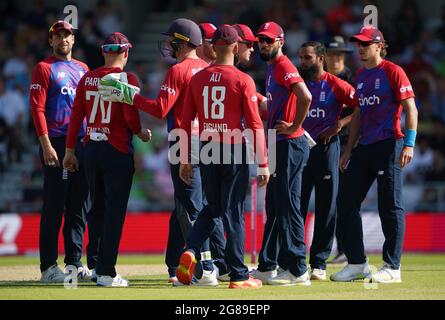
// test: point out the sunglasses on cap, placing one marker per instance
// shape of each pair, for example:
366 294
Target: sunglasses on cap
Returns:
249 44
267 40
114 47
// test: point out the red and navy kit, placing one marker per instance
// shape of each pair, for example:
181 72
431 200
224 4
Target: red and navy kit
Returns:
329 94
379 92
52 92
53 88
170 100
282 102
113 120
225 99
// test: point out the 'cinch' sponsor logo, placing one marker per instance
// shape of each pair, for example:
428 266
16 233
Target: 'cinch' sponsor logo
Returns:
406 89
66 90
316 113
291 75
168 89
35 86
368 101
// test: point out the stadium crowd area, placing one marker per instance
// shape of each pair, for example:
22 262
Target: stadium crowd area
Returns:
415 42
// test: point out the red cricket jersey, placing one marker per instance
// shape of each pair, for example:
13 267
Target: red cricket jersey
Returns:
281 101
117 121
170 100
224 99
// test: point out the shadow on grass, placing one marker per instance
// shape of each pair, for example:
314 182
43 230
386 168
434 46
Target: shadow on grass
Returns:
134 283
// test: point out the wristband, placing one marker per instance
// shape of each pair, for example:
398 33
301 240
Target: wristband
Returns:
410 138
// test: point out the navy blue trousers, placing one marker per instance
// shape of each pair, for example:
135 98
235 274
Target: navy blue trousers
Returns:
110 175
189 202
284 228
67 198
379 161
321 174
225 187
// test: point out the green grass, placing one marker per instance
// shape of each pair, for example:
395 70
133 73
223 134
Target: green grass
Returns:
423 278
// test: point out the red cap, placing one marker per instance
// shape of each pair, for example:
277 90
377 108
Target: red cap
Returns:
59 25
207 30
118 38
244 32
271 30
225 35
368 34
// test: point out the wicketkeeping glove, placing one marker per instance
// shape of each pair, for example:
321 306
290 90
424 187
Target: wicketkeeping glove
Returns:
115 87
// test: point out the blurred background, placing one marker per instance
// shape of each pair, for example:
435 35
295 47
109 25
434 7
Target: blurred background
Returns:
415 31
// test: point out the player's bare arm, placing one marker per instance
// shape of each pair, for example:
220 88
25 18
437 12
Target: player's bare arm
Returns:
409 106
304 99
49 153
336 128
145 135
70 161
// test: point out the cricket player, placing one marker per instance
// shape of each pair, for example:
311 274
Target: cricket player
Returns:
53 88
329 96
383 91
205 50
108 152
336 52
183 37
222 96
245 50
288 103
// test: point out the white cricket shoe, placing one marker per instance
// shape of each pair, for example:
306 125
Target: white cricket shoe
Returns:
318 274
286 278
387 275
224 277
264 276
108 281
221 277
53 275
84 274
208 279
93 275
352 272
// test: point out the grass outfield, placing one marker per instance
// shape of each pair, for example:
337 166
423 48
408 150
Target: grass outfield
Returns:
423 278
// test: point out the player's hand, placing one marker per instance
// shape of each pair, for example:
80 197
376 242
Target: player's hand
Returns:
406 156
50 157
284 127
263 175
186 173
70 161
344 160
262 180
115 87
326 135
144 135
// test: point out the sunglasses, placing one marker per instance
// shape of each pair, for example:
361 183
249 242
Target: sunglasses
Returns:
114 47
267 40
248 44
364 44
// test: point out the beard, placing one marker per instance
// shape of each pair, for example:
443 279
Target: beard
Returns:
308 73
269 56
62 51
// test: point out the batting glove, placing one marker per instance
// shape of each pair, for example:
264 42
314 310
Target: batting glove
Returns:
114 87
